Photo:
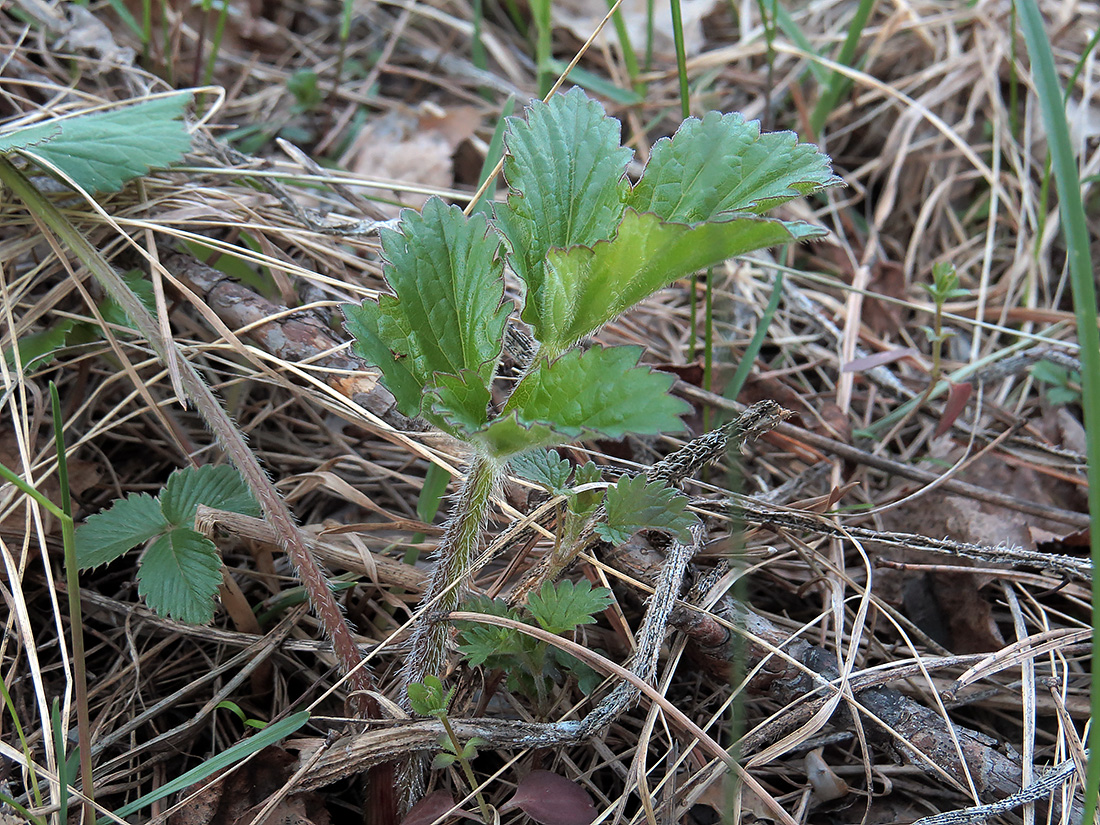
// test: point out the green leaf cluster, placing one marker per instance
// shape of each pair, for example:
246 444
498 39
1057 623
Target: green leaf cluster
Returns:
587 246
632 503
181 569
100 151
533 667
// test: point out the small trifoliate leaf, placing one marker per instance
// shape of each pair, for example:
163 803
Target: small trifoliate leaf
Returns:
560 607
724 164
179 576
565 168
586 287
636 503
100 151
447 313
544 467
598 393
220 487
129 522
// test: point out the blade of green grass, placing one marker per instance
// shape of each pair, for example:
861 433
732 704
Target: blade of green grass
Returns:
733 388
838 84
76 619
1079 260
230 756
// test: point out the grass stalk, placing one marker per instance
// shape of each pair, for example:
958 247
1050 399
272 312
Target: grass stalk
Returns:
76 621
1079 261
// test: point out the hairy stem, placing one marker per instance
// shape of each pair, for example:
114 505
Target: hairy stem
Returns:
453 559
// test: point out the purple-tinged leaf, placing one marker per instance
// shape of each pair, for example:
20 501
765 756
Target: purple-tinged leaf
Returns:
431 808
878 359
550 799
957 397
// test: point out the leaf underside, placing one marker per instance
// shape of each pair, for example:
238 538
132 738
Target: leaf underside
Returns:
587 287
100 151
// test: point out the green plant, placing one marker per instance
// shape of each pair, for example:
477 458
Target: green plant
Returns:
588 245
181 569
533 666
100 151
1064 385
944 287
430 698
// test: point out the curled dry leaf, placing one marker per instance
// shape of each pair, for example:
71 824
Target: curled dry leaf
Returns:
550 799
826 784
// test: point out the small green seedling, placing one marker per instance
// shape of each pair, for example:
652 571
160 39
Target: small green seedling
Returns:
588 245
430 698
533 666
181 569
1063 385
944 288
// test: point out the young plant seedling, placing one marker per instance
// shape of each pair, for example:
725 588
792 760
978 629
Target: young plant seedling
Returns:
587 245
181 569
430 698
531 664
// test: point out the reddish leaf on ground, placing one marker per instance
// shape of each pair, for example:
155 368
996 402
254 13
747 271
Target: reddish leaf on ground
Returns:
957 397
550 799
431 808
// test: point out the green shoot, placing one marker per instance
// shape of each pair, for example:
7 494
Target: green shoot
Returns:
588 246
429 698
532 666
944 288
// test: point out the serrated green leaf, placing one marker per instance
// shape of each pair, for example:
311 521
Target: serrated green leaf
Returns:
220 487
489 645
587 287
636 503
179 576
460 400
560 607
599 393
545 468
723 164
447 313
129 522
565 168
443 760
100 151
